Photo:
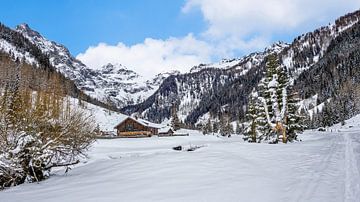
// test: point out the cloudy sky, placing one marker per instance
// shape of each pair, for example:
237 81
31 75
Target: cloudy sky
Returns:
152 36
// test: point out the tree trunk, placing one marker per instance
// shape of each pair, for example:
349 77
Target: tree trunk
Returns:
280 129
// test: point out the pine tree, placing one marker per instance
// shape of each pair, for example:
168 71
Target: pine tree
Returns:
229 128
215 127
251 132
225 125
175 123
276 115
294 121
222 125
206 129
239 128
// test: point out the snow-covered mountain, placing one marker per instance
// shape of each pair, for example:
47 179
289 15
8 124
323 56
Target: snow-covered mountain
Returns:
112 84
210 90
309 48
250 60
117 85
207 88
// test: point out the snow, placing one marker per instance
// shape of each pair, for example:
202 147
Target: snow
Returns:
164 129
106 119
324 166
9 48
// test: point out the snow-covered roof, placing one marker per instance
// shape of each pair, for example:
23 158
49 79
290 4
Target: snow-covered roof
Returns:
165 129
142 122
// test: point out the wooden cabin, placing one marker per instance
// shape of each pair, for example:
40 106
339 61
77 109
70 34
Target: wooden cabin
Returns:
132 127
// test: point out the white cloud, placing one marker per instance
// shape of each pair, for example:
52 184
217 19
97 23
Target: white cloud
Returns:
233 27
152 56
243 18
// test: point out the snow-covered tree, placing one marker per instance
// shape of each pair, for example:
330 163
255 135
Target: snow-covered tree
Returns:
294 120
276 114
251 133
239 128
215 127
226 128
175 122
207 128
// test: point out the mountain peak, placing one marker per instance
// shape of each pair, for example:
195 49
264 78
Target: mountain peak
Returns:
276 47
26 30
117 68
23 26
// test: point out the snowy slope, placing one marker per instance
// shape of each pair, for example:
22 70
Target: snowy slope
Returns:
244 63
323 167
314 44
113 83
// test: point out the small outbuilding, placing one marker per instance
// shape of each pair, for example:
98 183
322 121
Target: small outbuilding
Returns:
166 131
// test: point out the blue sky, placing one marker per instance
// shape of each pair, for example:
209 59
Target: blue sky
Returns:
81 23
153 36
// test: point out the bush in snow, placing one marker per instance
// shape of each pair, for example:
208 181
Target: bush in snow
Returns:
39 131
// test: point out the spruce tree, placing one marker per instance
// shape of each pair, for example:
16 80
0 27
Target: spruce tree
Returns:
276 116
229 128
215 127
294 121
206 129
251 132
222 126
175 123
239 128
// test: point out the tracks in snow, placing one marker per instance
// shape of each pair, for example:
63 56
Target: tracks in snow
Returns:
319 169
338 157
352 176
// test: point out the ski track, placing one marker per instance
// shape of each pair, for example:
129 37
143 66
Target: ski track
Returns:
319 170
352 179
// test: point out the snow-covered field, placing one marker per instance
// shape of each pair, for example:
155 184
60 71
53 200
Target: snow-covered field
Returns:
324 166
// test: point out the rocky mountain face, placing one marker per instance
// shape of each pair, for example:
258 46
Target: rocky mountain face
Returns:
211 90
113 84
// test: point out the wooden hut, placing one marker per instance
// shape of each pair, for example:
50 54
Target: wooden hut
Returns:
132 127
166 131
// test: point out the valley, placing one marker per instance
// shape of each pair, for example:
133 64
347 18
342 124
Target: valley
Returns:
209 116
324 166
